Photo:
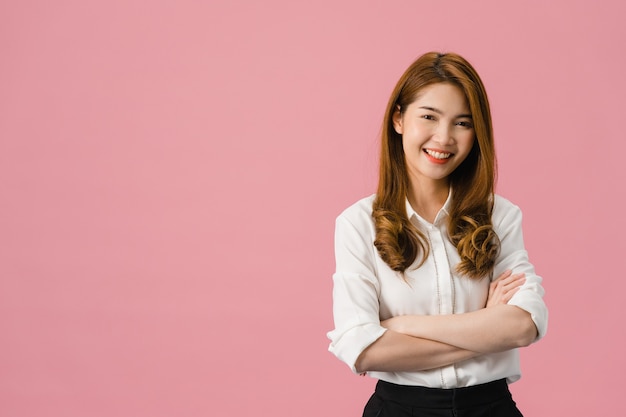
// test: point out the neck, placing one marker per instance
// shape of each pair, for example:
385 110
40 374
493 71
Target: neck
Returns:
427 199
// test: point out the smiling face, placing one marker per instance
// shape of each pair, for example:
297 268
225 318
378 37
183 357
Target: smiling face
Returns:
437 133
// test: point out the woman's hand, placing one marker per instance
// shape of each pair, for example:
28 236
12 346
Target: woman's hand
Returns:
503 288
397 323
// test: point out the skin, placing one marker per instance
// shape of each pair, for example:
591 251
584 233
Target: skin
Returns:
487 330
437 135
498 327
439 120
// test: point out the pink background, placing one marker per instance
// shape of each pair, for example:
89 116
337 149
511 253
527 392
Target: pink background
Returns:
170 172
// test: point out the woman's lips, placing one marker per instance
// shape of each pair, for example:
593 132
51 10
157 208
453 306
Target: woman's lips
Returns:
436 156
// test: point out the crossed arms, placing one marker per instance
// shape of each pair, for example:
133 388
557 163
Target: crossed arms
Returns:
415 343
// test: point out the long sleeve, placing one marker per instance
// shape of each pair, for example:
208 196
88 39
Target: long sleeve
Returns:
513 255
366 290
355 294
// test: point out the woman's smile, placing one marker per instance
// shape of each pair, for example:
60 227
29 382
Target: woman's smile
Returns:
437 157
437 133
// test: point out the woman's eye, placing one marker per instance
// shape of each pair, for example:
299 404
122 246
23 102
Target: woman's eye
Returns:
428 117
464 124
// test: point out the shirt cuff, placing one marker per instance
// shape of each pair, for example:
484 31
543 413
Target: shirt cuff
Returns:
349 345
537 310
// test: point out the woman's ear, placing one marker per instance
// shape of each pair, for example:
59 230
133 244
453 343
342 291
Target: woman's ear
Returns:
397 120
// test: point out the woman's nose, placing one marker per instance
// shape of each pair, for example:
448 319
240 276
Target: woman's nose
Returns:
444 134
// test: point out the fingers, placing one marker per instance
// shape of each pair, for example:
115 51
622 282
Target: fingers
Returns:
504 275
513 281
509 292
502 289
507 280
510 285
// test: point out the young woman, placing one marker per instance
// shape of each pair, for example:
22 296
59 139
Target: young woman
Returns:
433 291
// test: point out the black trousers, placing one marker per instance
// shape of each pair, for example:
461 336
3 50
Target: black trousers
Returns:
486 400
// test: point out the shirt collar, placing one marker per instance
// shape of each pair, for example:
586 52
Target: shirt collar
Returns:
441 215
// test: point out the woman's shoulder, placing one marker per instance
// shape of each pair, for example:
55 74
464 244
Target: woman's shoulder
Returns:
359 211
503 203
503 209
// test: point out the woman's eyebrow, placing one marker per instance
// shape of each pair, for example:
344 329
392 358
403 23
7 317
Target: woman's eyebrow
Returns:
436 110
431 109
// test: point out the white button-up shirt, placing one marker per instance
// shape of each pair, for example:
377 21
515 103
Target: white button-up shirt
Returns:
367 291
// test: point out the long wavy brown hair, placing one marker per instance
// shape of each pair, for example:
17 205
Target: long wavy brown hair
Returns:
398 241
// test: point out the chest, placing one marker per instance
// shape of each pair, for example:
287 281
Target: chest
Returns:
432 288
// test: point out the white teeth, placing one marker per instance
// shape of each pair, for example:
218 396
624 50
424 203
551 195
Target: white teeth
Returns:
438 155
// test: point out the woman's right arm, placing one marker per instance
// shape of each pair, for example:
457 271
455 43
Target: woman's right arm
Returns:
397 352
496 328
358 339
394 352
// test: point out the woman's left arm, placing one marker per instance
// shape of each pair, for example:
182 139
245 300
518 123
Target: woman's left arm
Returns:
488 330
515 314
494 329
